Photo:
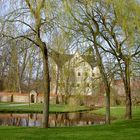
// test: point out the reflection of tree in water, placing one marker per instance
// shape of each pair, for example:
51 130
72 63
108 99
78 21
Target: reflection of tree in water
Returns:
27 120
15 121
31 116
55 120
11 121
70 119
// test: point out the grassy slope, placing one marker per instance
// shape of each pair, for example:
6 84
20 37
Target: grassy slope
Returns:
5 107
119 130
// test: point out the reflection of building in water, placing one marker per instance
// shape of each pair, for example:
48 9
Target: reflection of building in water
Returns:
55 120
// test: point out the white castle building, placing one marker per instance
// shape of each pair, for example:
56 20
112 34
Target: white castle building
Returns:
78 72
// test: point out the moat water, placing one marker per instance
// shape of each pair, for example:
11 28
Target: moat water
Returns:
55 120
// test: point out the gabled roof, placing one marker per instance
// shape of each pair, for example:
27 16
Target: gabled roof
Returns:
90 60
61 59
89 57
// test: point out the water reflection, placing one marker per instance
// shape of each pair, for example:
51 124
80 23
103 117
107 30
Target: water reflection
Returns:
55 120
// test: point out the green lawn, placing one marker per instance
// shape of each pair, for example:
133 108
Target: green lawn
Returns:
118 112
37 108
125 130
118 130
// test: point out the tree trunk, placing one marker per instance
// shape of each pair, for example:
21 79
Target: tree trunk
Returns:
107 119
1 85
105 80
18 79
57 80
45 120
29 84
67 93
125 74
128 113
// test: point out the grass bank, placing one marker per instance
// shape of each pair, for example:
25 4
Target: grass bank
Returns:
38 108
119 111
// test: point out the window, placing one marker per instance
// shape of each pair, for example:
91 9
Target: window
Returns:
72 85
78 85
79 74
88 85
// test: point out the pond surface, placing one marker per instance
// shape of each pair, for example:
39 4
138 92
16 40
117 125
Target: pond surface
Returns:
55 120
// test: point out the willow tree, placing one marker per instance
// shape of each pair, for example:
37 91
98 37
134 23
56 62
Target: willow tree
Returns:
112 26
33 22
36 12
59 53
119 23
83 14
13 72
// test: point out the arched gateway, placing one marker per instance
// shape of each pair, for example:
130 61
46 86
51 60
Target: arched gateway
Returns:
33 96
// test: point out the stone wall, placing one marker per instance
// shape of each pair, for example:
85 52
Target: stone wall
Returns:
24 97
14 97
5 98
21 98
